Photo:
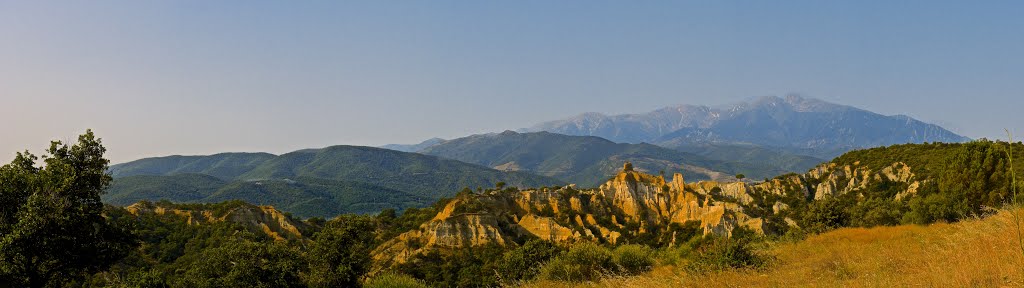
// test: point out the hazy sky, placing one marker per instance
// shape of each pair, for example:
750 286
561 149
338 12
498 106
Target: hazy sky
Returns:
157 78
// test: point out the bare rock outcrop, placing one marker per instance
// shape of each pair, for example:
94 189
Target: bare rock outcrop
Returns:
261 219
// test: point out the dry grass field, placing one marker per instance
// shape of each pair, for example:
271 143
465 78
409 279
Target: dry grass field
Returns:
973 253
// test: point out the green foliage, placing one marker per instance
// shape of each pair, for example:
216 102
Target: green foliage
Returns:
340 253
957 181
824 215
465 267
52 228
523 262
583 262
633 258
394 280
243 264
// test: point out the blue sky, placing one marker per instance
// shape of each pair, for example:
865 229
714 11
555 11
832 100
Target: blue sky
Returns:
197 77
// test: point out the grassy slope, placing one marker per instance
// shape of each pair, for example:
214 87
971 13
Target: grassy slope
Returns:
972 253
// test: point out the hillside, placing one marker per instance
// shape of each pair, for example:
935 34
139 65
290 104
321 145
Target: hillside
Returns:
585 160
225 166
263 220
974 253
792 161
823 129
316 182
902 184
414 147
810 229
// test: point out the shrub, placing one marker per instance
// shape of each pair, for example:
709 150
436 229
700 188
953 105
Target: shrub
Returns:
394 280
523 262
824 215
583 262
715 254
633 258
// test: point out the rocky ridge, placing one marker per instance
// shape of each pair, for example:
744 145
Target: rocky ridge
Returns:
633 207
259 219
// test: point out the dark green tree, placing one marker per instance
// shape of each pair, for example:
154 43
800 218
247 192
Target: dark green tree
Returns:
52 228
340 253
524 262
244 263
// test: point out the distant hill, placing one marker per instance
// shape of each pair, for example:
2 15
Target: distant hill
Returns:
586 160
823 129
414 147
748 153
224 165
313 182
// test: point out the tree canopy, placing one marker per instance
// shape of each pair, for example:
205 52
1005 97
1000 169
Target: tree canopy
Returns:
52 227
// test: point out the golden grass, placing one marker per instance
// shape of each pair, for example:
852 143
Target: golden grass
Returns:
972 253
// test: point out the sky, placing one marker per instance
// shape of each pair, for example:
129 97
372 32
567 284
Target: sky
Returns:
155 78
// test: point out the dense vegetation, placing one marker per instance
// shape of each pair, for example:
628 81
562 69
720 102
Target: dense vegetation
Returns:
584 160
785 159
317 182
958 181
52 229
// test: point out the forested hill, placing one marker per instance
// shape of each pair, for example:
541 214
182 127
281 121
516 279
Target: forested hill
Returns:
313 182
586 160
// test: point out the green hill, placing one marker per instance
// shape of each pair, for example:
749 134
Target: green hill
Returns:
776 157
314 182
586 160
224 165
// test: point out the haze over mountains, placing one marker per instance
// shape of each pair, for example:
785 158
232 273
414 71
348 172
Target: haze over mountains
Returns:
810 126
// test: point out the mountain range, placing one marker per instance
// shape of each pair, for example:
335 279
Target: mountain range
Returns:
586 160
811 126
311 182
758 139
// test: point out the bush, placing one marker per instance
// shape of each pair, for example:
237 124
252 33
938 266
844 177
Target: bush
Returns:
523 262
714 254
583 262
394 280
824 215
634 259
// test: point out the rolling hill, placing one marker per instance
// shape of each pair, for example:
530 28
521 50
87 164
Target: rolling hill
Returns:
585 160
313 182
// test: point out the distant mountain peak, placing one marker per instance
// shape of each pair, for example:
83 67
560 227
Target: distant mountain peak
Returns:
791 121
414 147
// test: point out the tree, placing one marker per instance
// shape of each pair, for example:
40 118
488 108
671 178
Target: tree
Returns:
51 222
500 185
740 176
340 253
243 263
523 263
